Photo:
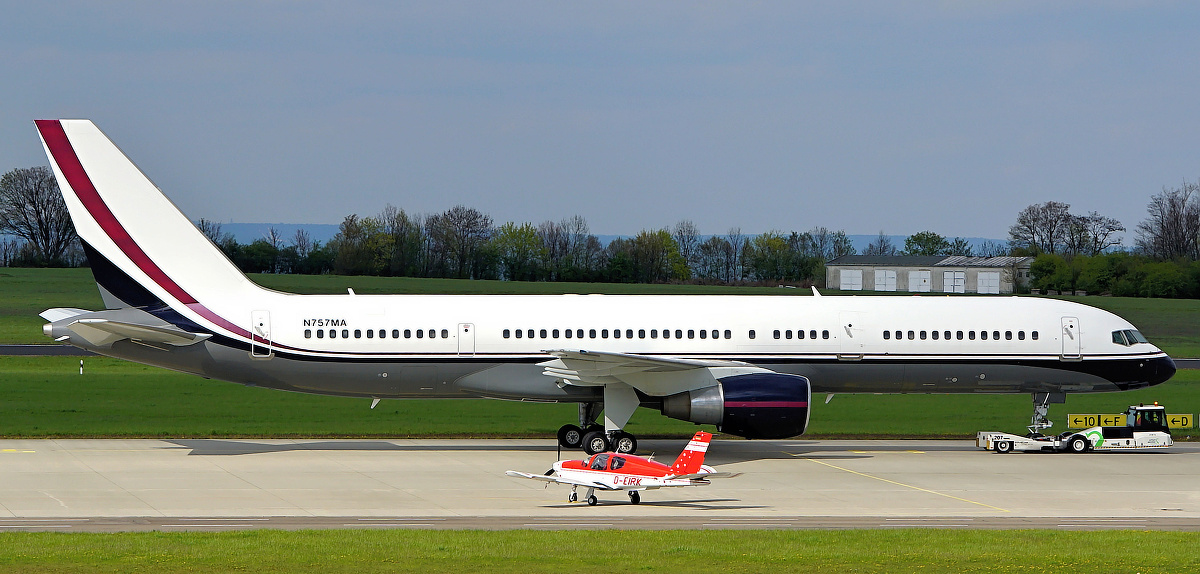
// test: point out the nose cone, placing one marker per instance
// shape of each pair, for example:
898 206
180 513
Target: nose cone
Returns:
1160 370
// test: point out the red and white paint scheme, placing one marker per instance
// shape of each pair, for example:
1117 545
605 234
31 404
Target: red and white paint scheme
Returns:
748 365
615 471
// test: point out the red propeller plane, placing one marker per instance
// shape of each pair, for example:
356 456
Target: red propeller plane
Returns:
615 471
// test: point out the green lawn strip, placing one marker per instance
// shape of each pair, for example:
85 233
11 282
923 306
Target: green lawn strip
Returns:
358 551
47 397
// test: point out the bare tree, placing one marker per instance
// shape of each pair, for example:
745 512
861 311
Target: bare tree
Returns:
303 243
1172 229
32 208
734 257
273 236
556 246
212 230
1041 228
882 246
687 237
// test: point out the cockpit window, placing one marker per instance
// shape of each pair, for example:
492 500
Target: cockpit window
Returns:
617 463
599 461
1128 337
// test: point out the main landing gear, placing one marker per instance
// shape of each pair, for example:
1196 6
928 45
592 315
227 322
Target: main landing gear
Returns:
591 436
1041 408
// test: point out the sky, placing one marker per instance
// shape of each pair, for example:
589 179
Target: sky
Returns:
863 116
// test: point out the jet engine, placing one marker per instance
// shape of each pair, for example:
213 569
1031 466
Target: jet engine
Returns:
756 405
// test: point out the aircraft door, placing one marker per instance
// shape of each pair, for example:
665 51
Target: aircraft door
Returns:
260 335
853 339
1070 339
466 339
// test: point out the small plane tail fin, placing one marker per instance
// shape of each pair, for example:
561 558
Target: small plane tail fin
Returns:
692 457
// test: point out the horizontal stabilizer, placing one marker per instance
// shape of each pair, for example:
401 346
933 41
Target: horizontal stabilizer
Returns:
101 329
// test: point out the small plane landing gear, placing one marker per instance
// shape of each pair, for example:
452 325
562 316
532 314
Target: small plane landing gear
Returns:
573 497
634 497
591 497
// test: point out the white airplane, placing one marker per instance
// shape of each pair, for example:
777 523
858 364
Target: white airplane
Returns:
747 364
605 471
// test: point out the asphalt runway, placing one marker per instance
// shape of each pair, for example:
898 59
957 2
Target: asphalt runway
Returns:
201 484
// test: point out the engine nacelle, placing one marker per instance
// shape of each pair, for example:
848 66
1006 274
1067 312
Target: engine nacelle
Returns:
756 405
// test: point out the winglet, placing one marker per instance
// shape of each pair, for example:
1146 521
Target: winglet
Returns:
815 292
692 457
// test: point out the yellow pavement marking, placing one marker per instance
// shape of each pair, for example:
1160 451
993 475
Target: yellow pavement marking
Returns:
14 450
900 483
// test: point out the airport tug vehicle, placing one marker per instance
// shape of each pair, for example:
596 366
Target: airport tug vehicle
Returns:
1145 428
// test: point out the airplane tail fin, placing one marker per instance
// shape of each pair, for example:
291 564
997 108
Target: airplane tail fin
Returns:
692 457
144 252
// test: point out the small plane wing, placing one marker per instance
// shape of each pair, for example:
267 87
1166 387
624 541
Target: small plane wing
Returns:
705 475
651 375
560 480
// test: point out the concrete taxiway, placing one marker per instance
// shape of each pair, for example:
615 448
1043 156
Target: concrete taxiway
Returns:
200 484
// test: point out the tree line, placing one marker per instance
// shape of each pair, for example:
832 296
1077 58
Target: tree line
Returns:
1072 252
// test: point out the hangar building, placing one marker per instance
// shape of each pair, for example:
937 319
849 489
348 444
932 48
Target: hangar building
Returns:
928 274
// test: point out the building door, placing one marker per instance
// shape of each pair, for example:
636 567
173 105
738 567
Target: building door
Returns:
851 280
954 281
260 335
1070 338
989 282
885 280
466 339
919 281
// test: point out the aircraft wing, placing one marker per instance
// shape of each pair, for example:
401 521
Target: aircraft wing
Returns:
103 328
560 480
650 374
706 475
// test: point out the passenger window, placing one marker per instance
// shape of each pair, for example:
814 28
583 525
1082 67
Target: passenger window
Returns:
528 332
1008 335
751 333
1033 335
960 335
507 333
1020 335
947 336
641 333
922 335
824 334
887 335
995 335
445 333
691 333
628 333
591 333
520 333
702 333
616 333
395 333
568 333
911 335
800 333
358 333
421 334
812 334
554 333
370 334
678 333
333 333
935 335
320 333
653 333
578 333
604 333
542 333
715 334
408 334
777 333
345 333
433 334
971 335
787 334
983 335
666 333
728 334
308 333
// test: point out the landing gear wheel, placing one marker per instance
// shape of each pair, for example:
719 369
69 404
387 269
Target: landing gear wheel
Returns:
593 428
1004 447
595 442
624 443
1077 444
570 436
634 497
592 500
574 497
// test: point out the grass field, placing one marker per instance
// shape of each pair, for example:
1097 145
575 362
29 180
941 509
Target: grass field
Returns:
47 397
357 551
1172 324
